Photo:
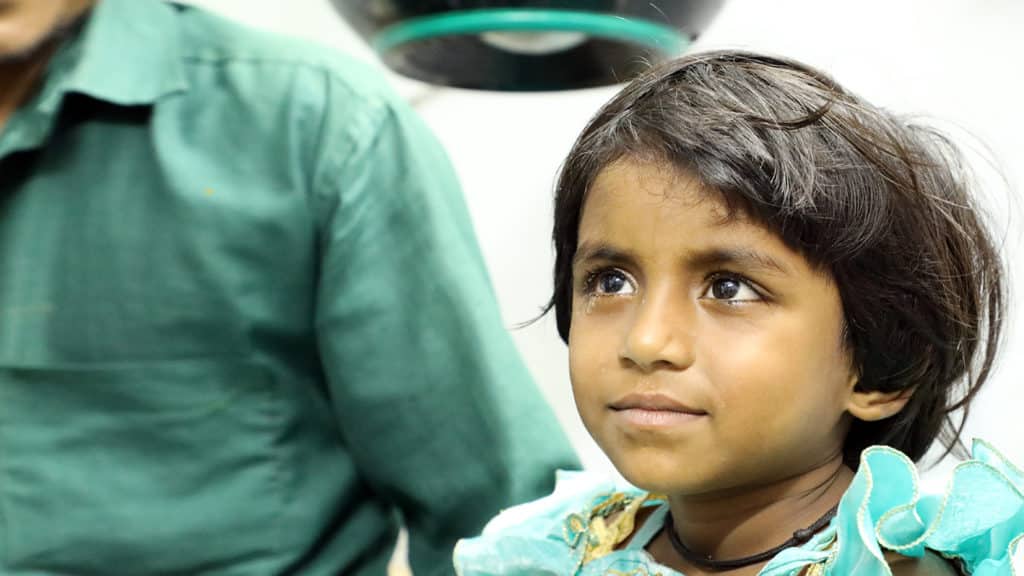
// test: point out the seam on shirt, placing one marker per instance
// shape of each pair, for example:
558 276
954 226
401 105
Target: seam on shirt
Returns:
336 155
375 89
333 152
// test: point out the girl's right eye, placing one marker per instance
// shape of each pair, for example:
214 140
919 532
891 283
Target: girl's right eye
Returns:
610 282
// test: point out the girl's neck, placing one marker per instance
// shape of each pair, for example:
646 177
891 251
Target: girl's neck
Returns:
745 521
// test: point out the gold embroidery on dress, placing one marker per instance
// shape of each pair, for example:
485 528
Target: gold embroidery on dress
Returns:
641 571
607 524
612 520
815 570
605 533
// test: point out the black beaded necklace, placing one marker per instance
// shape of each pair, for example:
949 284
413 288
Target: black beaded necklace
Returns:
801 536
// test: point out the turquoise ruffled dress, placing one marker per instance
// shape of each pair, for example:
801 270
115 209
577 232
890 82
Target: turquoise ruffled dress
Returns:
978 522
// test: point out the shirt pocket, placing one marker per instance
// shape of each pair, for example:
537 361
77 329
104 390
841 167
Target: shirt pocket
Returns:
160 467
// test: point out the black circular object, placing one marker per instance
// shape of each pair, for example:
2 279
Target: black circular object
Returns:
526 45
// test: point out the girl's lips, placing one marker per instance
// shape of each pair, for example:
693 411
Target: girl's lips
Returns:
643 418
654 403
654 411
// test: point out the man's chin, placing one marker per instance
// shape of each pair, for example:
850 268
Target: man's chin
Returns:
19 53
32 50
20 48
17 44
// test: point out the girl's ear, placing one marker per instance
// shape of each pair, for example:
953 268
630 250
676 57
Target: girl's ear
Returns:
876 405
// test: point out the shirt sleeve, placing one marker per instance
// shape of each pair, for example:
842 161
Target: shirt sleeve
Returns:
432 398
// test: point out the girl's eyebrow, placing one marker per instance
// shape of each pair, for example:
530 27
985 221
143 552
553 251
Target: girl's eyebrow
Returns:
739 257
604 252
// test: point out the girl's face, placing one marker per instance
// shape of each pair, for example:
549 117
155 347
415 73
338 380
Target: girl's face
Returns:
706 356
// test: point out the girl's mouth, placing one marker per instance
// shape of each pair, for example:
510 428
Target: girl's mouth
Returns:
654 411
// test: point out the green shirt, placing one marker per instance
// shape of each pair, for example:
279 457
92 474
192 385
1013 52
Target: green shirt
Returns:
244 324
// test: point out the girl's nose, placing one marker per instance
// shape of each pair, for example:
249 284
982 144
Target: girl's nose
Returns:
661 334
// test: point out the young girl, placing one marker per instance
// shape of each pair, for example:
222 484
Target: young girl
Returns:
775 296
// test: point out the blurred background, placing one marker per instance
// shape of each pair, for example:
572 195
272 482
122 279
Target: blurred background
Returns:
956 62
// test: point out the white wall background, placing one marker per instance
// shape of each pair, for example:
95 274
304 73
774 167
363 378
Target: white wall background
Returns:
959 61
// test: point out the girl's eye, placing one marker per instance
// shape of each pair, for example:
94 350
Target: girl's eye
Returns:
731 289
610 283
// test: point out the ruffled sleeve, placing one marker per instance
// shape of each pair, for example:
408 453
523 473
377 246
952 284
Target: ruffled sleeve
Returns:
978 520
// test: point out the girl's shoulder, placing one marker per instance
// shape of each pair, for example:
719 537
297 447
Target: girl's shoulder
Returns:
585 519
977 522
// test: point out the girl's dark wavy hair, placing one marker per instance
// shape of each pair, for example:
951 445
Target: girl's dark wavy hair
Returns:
881 204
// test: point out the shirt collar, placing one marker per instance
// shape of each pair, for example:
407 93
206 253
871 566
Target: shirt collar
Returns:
127 53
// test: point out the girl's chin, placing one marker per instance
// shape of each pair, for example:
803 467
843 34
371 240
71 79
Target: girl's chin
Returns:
666 480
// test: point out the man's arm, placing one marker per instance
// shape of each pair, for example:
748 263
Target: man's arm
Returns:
432 397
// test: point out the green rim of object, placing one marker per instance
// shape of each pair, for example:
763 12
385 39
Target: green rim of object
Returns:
658 36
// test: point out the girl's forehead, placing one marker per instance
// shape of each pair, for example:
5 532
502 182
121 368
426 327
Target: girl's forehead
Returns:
658 213
658 190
